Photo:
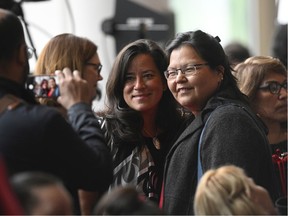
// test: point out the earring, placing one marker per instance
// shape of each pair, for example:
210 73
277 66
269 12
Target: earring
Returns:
220 81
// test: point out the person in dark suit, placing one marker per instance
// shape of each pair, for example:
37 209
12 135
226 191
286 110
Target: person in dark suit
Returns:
38 138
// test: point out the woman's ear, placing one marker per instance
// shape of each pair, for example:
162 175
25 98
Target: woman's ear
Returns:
220 70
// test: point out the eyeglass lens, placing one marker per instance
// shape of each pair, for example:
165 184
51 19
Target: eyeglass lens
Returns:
275 87
188 70
97 66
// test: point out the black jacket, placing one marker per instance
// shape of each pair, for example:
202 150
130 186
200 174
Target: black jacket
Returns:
37 138
233 135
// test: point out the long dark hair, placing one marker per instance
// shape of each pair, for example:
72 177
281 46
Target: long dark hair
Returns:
210 50
123 124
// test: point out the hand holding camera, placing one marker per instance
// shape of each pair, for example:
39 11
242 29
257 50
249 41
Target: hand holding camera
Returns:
73 89
43 87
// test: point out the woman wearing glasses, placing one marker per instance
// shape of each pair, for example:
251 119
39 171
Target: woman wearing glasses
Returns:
224 131
264 80
76 53
80 55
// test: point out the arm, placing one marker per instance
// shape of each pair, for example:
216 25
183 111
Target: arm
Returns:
82 166
75 98
77 163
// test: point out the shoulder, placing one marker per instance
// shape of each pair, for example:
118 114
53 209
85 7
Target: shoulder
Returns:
236 115
228 110
35 113
233 115
42 111
34 123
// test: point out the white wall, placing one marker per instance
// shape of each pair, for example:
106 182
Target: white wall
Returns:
282 16
81 17
211 16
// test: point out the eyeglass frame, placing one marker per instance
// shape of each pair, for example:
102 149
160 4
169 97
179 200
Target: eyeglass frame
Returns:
99 66
184 70
278 86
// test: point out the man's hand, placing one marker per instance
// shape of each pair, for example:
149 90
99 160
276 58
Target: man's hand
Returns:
73 89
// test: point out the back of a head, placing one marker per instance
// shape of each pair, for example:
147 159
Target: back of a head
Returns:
41 193
125 200
236 52
279 45
224 191
11 35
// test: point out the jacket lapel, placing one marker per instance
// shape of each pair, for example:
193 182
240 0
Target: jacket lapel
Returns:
195 125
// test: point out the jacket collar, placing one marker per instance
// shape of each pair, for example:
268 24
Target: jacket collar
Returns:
192 128
10 87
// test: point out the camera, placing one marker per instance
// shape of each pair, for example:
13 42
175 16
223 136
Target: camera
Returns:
43 86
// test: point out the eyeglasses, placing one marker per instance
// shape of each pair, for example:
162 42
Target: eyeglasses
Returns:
30 52
274 87
97 66
188 70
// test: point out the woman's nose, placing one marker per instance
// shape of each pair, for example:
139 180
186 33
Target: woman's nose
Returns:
283 93
100 77
180 76
139 83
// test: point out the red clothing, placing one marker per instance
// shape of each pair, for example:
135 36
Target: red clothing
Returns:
9 204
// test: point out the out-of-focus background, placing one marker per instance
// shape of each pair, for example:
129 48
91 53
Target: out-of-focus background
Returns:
114 23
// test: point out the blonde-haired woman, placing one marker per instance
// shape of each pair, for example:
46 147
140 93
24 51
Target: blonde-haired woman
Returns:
229 191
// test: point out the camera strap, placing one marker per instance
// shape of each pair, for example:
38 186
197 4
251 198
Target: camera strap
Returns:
9 102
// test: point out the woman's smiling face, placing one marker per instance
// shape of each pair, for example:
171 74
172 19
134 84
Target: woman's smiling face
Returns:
144 86
192 91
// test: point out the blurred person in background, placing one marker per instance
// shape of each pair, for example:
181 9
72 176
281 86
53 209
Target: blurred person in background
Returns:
41 194
279 43
126 200
264 80
236 53
227 190
10 204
